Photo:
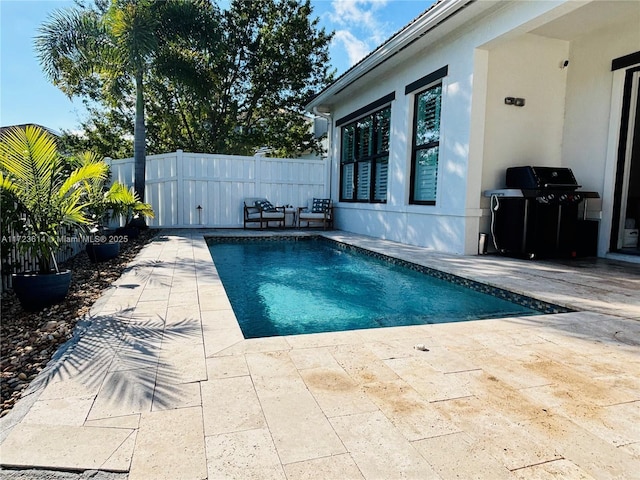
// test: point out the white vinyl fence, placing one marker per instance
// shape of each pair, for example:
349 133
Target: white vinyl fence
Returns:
178 183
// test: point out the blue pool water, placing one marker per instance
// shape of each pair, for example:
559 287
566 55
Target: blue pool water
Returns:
309 286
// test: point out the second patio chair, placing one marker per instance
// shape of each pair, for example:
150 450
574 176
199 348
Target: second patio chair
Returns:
320 211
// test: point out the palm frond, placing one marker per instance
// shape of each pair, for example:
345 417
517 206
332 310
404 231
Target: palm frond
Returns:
134 26
85 173
70 46
144 209
84 158
73 210
125 202
120 193
29 157
7 184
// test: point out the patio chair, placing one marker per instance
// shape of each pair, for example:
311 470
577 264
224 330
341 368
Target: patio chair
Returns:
320 211
261 211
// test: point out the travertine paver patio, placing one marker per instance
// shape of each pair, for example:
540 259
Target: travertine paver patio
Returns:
162 384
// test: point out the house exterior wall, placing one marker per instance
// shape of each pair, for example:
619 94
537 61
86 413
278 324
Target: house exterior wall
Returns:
453 224
528 67
593 110
441 226
494 50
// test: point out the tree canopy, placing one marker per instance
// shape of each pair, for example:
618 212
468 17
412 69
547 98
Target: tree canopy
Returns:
216 80
106 52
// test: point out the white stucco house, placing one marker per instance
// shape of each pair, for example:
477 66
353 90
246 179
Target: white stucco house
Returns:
419 128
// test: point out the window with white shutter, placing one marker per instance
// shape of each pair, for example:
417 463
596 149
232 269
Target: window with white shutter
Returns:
346 187
364 158
380 185
426 145
363 181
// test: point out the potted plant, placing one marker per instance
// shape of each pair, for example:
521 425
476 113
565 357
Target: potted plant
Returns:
100 200
102 248
126 204
49 194
102 244
105 203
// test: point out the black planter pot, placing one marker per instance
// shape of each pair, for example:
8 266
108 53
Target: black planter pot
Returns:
99 252
36 291
128 231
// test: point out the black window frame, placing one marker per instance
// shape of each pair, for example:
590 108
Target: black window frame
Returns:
417 148
359 159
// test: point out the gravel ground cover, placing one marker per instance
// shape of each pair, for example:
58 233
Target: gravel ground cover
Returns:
33 474
28 340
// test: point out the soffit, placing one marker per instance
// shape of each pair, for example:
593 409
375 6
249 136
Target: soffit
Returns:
590 17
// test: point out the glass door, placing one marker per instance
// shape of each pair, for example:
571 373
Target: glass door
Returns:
629 221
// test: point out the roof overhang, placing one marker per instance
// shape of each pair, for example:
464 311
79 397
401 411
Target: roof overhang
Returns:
560 19
425 29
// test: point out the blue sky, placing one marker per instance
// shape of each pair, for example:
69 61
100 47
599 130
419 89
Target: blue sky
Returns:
26 96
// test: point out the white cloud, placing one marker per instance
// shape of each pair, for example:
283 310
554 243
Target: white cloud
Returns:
356 49
362 26
361 14
354 11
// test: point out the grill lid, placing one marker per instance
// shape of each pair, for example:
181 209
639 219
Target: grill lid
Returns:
541 178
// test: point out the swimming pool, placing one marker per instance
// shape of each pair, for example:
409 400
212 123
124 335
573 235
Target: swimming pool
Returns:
311 285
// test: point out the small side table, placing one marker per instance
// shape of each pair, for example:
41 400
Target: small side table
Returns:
293 212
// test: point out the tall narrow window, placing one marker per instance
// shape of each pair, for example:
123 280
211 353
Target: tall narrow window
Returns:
347 161
364 158
426 146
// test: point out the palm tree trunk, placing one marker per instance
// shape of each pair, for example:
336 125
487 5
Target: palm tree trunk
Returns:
139 139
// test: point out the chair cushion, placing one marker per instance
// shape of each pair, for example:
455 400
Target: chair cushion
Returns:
265 206
320 205
275 214
311 216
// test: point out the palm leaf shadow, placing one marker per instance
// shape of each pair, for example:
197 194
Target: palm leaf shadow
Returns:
116 356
